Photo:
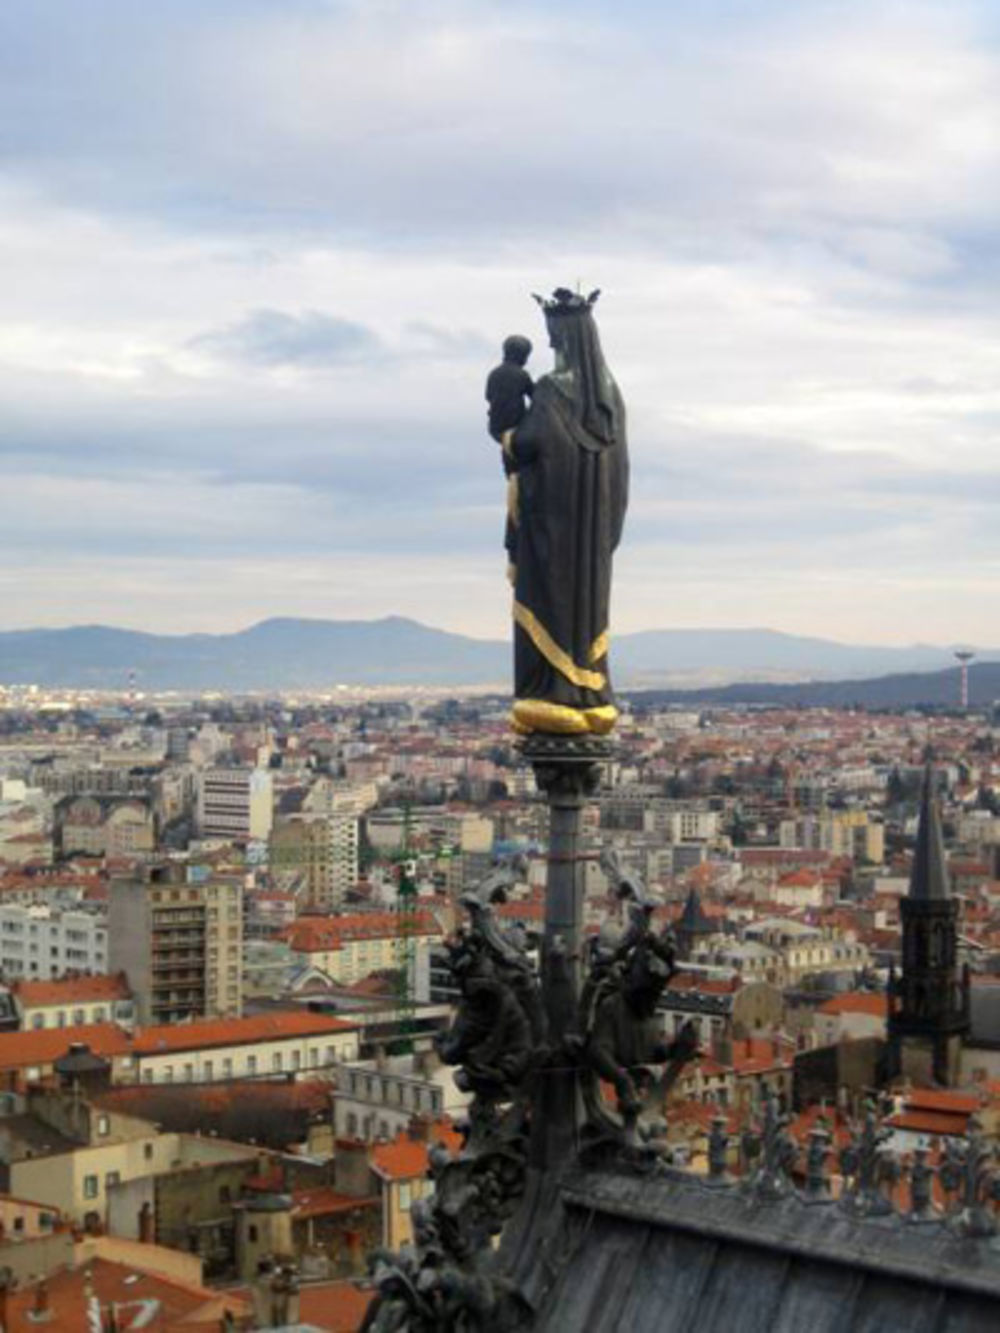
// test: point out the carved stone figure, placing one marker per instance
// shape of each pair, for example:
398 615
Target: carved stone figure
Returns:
447 1280
621 1036
569 461
500 1023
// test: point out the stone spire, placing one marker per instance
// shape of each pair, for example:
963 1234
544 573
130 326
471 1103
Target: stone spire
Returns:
929 877
929 1002
692 924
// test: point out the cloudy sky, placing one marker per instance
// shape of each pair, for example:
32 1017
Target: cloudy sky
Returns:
256 257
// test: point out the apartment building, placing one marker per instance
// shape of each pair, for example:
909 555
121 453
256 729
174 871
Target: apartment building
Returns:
850 833
267 1045
321 852
351 947
179 942
40 942
97 826
236 804
72 1001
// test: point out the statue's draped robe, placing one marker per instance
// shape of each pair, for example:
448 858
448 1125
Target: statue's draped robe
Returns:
569 508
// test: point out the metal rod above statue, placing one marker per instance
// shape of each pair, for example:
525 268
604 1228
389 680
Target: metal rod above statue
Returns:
566 457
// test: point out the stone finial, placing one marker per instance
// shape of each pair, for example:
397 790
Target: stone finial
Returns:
921 1189
718 1146
817 1186
870 1169
970 1178
774 1153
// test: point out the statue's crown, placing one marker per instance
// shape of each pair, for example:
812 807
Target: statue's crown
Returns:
564 302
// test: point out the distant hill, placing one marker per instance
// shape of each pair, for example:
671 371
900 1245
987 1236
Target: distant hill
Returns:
313 654
938 688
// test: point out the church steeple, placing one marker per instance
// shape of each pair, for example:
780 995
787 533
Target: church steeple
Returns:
929 879
692 925
928 1003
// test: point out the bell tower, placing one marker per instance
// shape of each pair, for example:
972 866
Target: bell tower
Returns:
929 1002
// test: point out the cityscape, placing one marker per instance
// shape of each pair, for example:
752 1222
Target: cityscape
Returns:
222 941
499 732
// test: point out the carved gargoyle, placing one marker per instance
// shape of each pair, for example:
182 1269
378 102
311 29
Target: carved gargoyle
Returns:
621 1037
445 1282
499 1029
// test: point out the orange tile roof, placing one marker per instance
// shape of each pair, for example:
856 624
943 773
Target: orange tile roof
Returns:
405 1158
316 934
202 1034
323 1201
955 1103
71 990
335 1307
21 1050
929 1122
141 1299
858 1002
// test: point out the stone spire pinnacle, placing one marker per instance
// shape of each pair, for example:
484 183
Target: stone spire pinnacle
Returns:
929 877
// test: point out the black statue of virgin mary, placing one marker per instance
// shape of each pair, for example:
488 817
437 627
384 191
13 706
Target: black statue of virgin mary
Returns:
569 458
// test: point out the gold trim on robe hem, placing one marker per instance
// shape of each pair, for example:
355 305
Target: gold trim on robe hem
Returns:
530 715
601 720
599 648
553 654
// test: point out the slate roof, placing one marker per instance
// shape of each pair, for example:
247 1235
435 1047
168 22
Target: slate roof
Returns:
634 1254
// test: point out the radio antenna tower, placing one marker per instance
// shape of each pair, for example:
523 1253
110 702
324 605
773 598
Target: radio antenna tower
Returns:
964 656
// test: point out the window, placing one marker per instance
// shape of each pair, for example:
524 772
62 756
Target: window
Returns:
251 1064
99 1014
168 1073
79 1017
276 1062
189 1073
90 1187
18 1224
252 1234
61 1019
296 1059
103 1124
227 1069
37 1021
147 1151
147 1076
111 1178
209 1069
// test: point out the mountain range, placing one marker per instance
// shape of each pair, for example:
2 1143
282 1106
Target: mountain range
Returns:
284 653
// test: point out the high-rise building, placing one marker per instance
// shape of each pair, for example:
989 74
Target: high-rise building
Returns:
180 942
236 804
321 851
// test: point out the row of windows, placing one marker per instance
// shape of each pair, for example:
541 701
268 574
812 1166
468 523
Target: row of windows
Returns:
254 1065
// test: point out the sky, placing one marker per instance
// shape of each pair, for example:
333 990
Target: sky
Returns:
257 257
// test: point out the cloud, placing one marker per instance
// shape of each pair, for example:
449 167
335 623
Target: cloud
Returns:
275 338
257 260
